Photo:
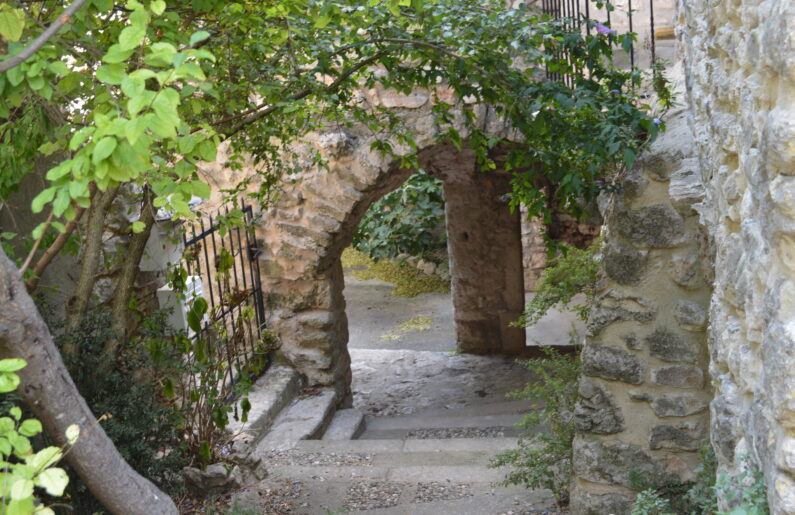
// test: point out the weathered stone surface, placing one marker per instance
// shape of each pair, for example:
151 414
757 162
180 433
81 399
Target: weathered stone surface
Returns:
658 226
686 188
624 264
679 405
670 346
678 376
613 306
611 462
600 504
596 411
736 66
633 342
690 315
216 479
684 270
611 363
683 437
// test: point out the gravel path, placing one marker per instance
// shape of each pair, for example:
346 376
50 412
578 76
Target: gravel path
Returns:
370 495
457 432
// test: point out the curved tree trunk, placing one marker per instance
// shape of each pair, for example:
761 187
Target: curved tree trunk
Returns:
52 396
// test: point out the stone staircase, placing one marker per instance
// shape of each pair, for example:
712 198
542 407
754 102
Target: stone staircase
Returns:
324 462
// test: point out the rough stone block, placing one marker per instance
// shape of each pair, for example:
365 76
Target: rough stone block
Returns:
669 346
658 226
596 411
684 271
633 342
600 504
678 376
611 363
624 264
690 315
614 306
680 405
683 437
686 188
612 462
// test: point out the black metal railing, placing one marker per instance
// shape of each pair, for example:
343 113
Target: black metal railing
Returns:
574 12
224 256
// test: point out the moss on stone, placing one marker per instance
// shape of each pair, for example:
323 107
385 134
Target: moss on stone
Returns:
416 324
409 282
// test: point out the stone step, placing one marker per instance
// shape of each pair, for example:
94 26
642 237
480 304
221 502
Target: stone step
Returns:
347 424
304 419
490 445
441 426
534 501
437 472
362 495
268 396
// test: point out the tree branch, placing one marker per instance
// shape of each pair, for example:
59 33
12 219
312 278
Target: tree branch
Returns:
45 36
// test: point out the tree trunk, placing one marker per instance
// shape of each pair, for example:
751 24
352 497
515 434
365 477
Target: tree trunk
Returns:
125 285
48 390
77 305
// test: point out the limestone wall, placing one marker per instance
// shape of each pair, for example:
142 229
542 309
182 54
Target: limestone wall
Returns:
643 398
740 62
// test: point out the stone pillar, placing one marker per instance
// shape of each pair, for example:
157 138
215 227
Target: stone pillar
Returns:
643 398
485 248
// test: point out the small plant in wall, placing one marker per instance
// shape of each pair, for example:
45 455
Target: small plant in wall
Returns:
24 471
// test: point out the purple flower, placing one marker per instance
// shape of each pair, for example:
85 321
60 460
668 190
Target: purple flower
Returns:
580 145
615 91
657 121
603 29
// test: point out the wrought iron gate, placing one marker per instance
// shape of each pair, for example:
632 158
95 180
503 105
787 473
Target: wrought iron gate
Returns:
222 252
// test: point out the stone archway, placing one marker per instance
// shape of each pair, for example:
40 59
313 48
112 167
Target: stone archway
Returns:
316 216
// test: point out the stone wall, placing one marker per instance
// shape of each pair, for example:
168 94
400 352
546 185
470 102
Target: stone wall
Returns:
304 233
643 398
740 62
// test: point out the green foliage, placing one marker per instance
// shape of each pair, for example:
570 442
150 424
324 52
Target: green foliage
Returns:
148 99
746 493
201 372
543 459
571 272
650 502
23 469
702 496
142 427
409 220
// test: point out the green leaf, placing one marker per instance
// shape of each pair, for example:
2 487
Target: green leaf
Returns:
15 412
12 364
72 434
117 54
53 480
134 128
138 227
46 457
103 149
22 489
30 427
111 73
198 37
42 199
131 37
158 7
12 22
207 150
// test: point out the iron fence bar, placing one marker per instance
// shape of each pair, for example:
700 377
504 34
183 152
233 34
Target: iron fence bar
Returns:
632 44
651 31
245 283
222 281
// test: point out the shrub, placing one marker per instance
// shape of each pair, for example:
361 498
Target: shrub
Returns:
143 428
409 220
543 459
571 272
